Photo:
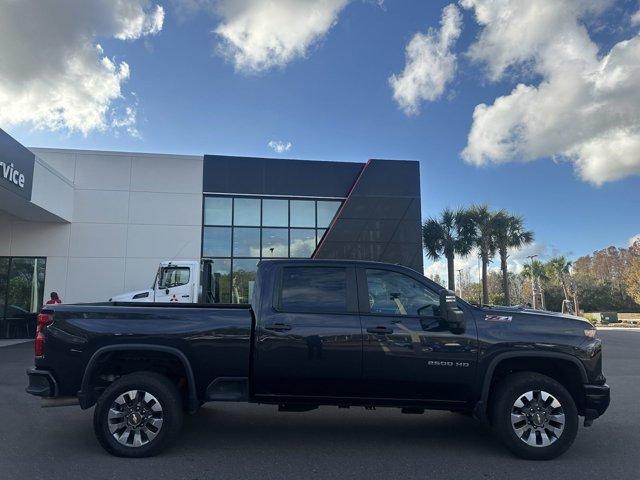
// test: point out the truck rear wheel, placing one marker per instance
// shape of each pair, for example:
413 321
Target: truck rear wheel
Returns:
138 415
534 416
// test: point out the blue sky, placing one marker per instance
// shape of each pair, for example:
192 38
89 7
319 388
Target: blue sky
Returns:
335 102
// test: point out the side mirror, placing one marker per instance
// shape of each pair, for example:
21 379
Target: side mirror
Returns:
452 316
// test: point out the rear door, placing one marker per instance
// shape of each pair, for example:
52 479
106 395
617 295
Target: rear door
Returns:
309 341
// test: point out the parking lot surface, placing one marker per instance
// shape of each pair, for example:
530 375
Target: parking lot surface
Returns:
224 441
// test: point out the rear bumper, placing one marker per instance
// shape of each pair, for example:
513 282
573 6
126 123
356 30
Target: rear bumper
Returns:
41 383
597 398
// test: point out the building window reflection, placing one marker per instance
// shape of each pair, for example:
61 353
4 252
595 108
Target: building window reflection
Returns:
21 295
217 211
216 242
240 231
246 242
275 243
303 242
303 213
275 213
246 212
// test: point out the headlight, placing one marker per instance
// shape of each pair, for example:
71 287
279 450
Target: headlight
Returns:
591 333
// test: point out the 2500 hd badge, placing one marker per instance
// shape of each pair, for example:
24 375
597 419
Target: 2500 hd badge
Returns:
440 363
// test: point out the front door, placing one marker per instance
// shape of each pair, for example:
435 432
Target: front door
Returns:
407 353
309 343
174 285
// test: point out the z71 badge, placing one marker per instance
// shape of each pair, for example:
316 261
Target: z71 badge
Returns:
497 318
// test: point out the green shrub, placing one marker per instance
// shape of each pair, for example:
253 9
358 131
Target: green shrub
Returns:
593 318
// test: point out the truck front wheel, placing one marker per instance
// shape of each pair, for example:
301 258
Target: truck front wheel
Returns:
138 415
534 416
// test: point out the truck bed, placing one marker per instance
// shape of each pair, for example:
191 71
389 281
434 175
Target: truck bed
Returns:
215 339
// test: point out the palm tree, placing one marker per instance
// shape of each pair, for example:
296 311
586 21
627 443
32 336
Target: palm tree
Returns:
485 228
509 233
450 235
537 273
559 268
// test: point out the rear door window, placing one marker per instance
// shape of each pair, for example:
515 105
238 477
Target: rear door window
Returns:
314 289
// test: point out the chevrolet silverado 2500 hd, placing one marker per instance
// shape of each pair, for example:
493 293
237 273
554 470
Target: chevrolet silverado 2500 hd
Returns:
342 333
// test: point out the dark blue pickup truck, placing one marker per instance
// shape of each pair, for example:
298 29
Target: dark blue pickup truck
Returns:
341 333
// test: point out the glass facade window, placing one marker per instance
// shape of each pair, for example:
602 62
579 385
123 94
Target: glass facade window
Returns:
243 280
275 213
303 213
21 295
216 242
246 242
275 242
302 243
217 211
221 282
240 231
326 212
246 212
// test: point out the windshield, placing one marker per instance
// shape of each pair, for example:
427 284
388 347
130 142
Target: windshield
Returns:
173 277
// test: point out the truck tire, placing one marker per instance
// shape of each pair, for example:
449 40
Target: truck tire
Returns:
138 415
534 416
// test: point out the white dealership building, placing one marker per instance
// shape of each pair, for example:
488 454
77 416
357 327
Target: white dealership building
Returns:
92 224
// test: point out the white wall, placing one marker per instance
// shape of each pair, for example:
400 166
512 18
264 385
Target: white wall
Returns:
129 212
52 191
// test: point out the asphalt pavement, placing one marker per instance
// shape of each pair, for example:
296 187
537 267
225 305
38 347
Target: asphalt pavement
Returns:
239 441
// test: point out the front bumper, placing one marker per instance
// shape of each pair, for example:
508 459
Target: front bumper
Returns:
41 383
597 399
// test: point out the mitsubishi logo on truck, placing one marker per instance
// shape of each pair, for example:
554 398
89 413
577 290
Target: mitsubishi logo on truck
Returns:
12 174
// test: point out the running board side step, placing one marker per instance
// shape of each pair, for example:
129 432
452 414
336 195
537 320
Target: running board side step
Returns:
413 410
59 402
296 407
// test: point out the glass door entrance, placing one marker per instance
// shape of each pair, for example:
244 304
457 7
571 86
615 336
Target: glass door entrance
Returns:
21 295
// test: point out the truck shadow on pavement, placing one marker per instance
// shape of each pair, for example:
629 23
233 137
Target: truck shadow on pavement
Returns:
250 426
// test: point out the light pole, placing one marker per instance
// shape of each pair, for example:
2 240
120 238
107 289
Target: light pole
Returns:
533 283
479 282
460 281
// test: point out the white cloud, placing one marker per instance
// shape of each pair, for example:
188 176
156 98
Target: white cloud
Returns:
586 108
430 63
127 119
257 35
53 73
279 146
634 239
635 18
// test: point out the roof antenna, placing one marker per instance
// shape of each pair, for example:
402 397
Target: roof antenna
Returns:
179 251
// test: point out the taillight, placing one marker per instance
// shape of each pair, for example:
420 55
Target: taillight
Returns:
44 319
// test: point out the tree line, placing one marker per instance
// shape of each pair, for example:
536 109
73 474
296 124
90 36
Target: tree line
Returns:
457 232
607 280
